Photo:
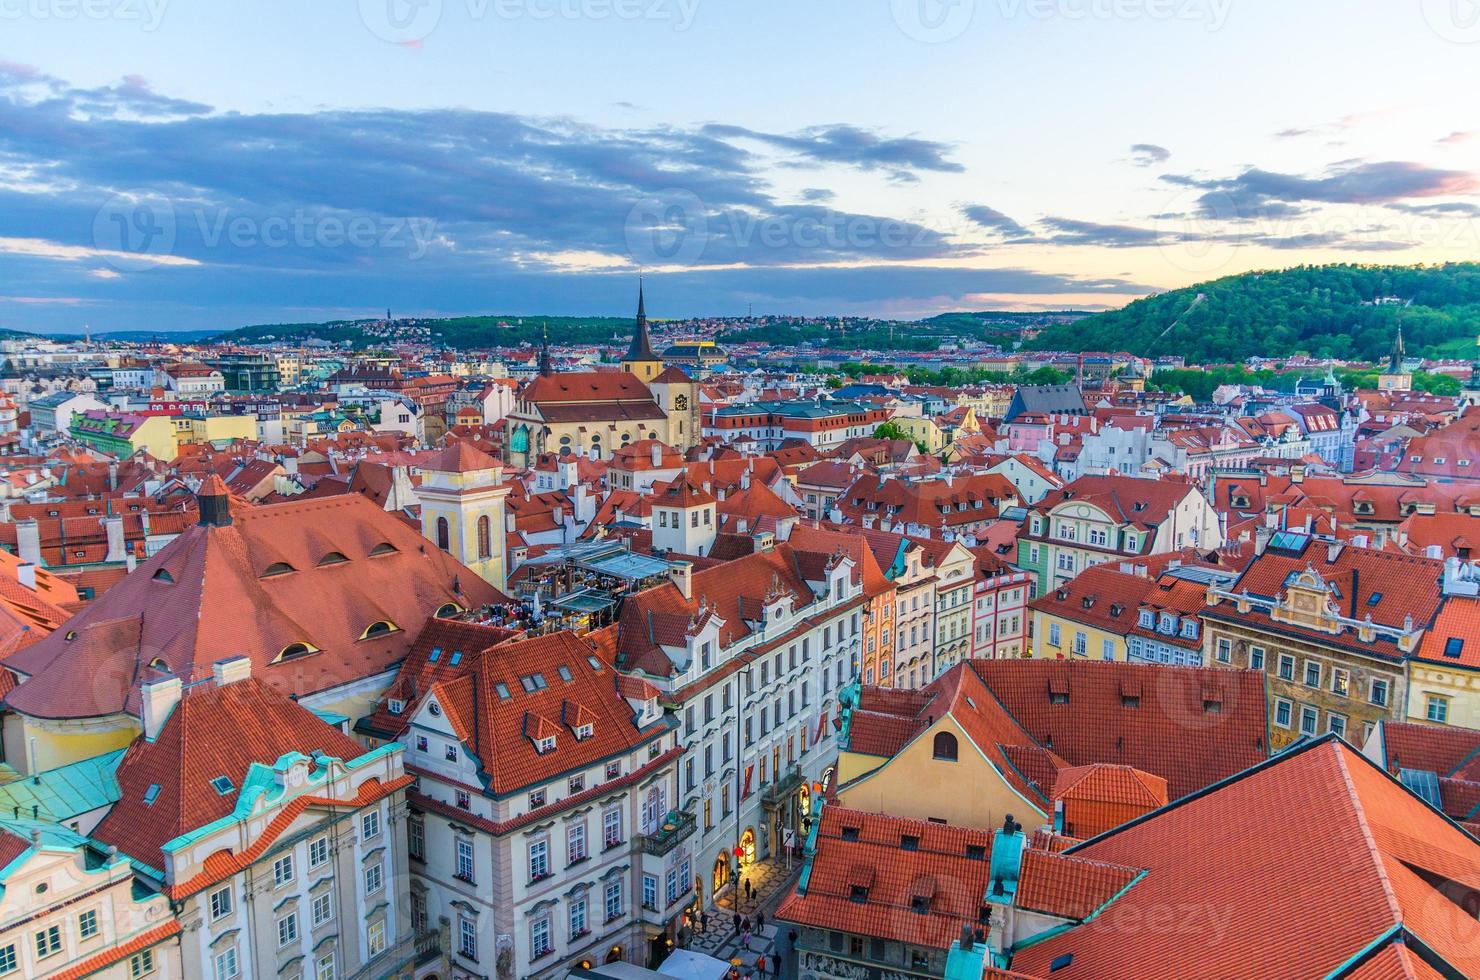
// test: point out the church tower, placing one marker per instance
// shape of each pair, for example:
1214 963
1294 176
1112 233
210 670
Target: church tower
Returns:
1395 378
641 360
462 509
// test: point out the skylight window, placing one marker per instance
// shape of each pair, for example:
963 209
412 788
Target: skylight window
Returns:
1454 646
1374 598
435 655
565 674
502 690
151 794
456 658
222 785
164 576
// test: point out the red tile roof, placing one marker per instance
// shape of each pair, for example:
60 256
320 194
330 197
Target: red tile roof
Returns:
1293 868
266 581
1066 886
103 959
862 879
214 731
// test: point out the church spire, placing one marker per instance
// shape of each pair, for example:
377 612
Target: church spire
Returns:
1395 360
642 343
546 368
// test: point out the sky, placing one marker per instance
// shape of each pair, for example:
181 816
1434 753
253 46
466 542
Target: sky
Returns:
169 165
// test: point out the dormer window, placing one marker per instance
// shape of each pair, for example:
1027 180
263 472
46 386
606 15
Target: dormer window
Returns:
164 576
396 706
333 558
384 548
1148 619
277 568
546 744
584 732
380 628
294 650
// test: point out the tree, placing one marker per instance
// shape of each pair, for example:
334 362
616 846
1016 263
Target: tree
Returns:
892 430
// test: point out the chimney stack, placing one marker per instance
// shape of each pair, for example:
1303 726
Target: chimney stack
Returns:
25 574
230 670
28 540
159 699
682 575
113 525
657 454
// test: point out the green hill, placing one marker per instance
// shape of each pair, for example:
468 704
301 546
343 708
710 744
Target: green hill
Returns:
1347 311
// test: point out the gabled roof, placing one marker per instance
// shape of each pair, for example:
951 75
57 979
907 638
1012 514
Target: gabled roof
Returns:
215 731
516 693
861 877
1306 865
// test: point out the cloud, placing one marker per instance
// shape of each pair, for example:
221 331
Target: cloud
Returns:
1069 231
1458 136
994 220
1149 154
817 194
1267 194
852 146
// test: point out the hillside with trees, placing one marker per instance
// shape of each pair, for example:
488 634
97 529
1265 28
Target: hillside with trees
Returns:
1346 311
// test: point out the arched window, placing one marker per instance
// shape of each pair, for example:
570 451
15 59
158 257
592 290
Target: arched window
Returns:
444 534
293 650
448 609
378 629
333 558
485 538
277 568
945 746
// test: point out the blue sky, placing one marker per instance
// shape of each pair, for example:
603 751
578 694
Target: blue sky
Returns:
167 165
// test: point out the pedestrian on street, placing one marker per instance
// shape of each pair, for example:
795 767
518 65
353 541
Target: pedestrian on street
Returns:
760 920
791 938
746 934
704 921
760 964
737 920
776 966
749 890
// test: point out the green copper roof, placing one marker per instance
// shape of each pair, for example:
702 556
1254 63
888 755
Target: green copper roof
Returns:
63 793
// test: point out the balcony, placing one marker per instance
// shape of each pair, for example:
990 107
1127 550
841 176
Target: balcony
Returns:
677 827
781 789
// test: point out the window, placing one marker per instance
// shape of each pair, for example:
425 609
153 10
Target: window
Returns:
87 924
1340 682
485 539
613 900
282 871
611 828
539 860
370 825
576 842
578 925
1287 667
1053 634
1225 650
1256 658
139 965
324 968
374 878
464 859
467 938
318 852
539 939
1309 718
1336 724
614 771
536 799
287 928
416 838
9 962
1379 692
1080 643
321 910
220 903
48 942
444 534
649 891
377 931
450 753
1282 710
1437 709
945 746
1312 674
225 964
464 799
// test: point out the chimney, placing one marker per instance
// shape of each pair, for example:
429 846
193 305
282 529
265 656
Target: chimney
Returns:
1333 552
113 525
28 540
657 454
113 475
231 669
1434 551
745 479
557 514
159 699
25 574
682 575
